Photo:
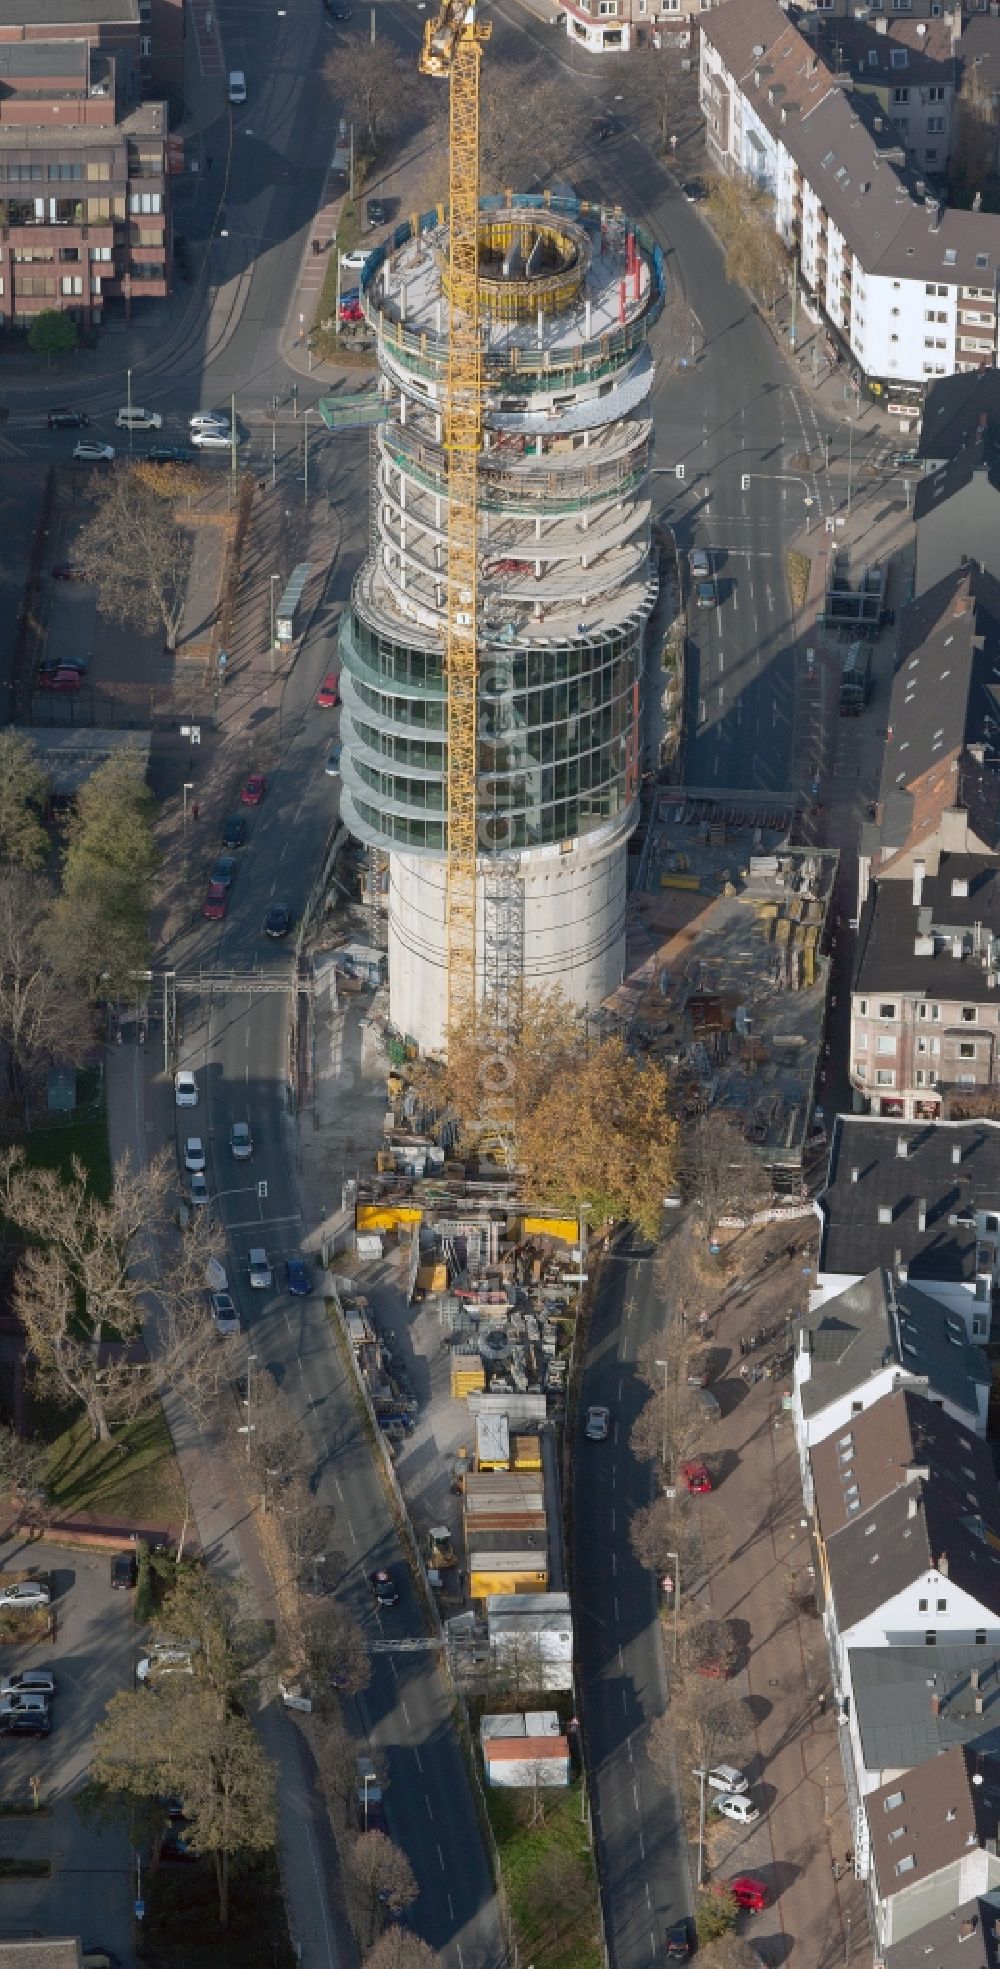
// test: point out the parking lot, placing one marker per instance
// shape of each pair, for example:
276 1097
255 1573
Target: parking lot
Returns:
91 1887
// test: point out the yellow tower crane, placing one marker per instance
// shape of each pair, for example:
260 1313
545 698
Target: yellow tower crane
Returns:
453 46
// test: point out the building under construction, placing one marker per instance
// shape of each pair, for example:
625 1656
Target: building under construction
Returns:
562 589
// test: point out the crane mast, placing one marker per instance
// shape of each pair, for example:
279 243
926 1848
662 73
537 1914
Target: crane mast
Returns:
453 47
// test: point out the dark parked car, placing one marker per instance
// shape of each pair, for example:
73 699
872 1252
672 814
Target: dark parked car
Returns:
384 1587
234 833
68 420
377 212
224 871
123 1570
26 1723
68 571
277 922
168 454
677 1946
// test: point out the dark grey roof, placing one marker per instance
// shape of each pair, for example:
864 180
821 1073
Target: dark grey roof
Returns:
895 1691
945 690
914 1530
954 408
978 460
875 1321
860 52
895 931
853 1241
49 59
888 1446
964 1939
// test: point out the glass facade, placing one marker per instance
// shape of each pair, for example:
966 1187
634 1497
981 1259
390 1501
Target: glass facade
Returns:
556 737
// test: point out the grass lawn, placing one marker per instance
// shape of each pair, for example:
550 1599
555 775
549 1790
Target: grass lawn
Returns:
84 1134
141 1486
181 1929
548 1871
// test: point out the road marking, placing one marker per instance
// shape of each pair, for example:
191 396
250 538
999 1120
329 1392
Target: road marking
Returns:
635 1794
441 1856
621 1657
430 1808
614 1564
451 1908
405 1711
416 1754
612 1518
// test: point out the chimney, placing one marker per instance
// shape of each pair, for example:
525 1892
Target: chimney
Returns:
919 871
979 1704
913 1507
902 1146
935 1705
956 1153
974 1678
855 1173
885 1213
942 1564
922 1214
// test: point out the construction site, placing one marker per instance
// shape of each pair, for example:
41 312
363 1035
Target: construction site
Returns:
727 976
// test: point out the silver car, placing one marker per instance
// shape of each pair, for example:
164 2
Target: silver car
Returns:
241 1141
596 1428
25 1593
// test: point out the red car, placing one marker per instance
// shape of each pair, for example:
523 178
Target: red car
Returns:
254 790
60 680
351 311
748 1893
216 902
696 1478
328 694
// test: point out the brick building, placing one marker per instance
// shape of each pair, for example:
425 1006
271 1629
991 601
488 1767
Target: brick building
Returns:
84 190
150 31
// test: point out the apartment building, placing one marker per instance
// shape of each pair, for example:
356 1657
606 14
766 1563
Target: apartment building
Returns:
932 1846
151 32
956 512
621 26
939 791
904 68
907 289
922 1202
925 1004
84 189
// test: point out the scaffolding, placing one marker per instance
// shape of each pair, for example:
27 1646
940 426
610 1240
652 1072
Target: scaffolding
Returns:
453 46
503 942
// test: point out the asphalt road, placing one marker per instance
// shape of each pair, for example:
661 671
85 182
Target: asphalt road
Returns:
237 1044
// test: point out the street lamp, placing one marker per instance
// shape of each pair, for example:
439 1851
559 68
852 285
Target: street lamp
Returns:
701 1774
850 461
367 1778
306 414
188 788
128 399
251 1364
274 578
675 1556
663 1432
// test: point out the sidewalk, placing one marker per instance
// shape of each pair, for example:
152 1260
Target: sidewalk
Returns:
759 1564
138 1114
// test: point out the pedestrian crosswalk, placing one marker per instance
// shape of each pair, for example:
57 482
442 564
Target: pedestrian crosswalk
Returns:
206 35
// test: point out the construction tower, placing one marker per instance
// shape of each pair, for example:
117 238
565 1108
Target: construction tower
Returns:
493 649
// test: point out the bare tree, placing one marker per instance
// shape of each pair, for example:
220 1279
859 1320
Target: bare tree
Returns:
383 1877
24 790
707 1643
80 1292
336 1649
335 1751
374 85
701 1723
136 554
724 1176
530 132
743 217
399 1949
668 1427
22 1463
728 1952
44 1016
99 924
188 1741
664 1531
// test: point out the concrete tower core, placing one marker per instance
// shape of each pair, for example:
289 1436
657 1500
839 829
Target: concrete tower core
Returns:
566 583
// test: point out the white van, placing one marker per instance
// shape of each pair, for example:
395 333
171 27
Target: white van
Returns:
237 86
130 418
